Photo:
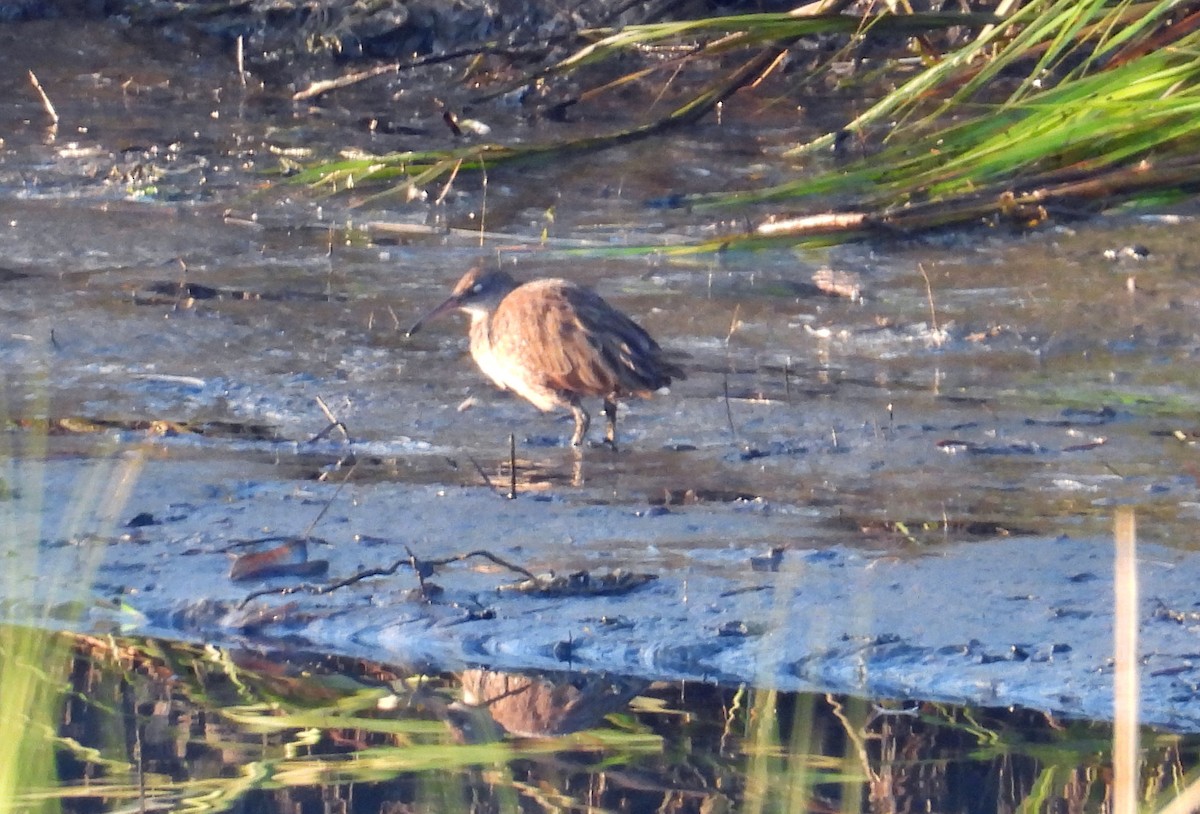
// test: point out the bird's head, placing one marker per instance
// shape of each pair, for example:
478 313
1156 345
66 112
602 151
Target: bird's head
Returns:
478 293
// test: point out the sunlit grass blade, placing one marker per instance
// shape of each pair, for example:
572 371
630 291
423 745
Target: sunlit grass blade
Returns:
1119 132
425 167
770 34
1083 111
756 29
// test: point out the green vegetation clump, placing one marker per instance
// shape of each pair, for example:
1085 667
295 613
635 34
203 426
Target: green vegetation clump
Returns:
1052 108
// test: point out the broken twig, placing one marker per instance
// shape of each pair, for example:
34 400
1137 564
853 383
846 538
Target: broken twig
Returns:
420 567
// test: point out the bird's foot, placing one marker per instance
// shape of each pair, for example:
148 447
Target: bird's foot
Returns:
607 443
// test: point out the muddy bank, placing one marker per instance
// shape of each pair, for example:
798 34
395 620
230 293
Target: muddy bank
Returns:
1014 621
276 34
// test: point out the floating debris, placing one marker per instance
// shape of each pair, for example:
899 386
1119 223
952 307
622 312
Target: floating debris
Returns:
288 559
769 561
582 583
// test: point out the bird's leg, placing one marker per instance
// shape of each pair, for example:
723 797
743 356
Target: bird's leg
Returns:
610 412
582 421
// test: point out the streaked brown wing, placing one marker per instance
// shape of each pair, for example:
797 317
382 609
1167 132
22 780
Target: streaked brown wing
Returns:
569 339
554 334
628 353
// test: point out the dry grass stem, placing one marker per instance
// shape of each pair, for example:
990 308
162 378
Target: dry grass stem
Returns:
933 321
334 423
856 738
241 59
512 466
1125 675
449 183
734 323
483 184
324 86
46 103
728 409
324 509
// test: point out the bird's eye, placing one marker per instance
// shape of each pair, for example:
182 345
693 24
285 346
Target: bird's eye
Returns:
475 289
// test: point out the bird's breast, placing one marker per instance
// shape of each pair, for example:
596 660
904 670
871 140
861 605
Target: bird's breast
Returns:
507 366
484 354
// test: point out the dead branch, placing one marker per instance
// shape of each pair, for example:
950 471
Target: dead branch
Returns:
421 568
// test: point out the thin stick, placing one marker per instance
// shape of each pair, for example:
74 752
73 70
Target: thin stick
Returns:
787 379
1125 658
333 497
482 474
512 466
334 422
929 294
728 409
733 323
662 91
449 183
767 71
46 103
417 568
854 735
241 59
325 409
326 85
487 555
483 203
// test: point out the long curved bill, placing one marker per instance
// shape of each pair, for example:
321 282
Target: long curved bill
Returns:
449 305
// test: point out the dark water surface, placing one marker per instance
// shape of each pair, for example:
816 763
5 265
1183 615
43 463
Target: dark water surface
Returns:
939 458
239 730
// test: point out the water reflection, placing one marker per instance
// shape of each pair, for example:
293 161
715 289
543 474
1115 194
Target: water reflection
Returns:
542 705
162 725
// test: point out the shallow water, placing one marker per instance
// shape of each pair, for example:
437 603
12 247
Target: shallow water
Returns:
275 732
172 310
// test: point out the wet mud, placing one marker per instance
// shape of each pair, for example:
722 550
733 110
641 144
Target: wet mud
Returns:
1018 620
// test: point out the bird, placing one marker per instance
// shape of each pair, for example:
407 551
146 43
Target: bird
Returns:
554 342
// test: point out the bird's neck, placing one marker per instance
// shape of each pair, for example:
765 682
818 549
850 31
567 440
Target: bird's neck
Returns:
481 327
